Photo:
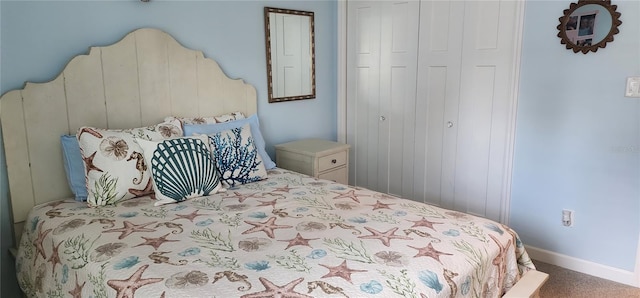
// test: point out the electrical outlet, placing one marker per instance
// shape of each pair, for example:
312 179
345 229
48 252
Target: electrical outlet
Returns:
567 218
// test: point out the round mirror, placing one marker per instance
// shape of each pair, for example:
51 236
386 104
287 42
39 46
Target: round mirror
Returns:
588 25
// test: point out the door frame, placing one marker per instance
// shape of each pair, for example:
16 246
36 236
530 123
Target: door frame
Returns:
342 72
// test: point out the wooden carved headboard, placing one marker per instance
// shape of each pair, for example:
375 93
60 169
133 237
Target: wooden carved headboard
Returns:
138 81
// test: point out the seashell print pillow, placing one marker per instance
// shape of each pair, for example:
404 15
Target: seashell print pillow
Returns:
181 169
114 165
236 156
207 120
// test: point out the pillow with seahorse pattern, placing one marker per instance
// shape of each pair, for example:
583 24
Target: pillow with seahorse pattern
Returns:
114 165
181 169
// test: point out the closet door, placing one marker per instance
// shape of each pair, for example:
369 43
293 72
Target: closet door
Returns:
440 132
486 112
363 92
466 74
382 44
440 60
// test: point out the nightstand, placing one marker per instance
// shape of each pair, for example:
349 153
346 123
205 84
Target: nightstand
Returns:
314 157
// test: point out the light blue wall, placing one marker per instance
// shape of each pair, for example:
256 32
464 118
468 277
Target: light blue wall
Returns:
38 38
578 141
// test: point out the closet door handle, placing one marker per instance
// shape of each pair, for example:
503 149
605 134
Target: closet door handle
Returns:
449 124
382 118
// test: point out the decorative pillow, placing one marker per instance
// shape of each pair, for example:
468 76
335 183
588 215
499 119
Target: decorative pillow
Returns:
236 156
74 166
114 165
207 120
181 169
190 129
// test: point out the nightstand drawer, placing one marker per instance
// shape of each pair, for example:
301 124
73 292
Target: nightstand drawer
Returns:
338 175
315 157
332 161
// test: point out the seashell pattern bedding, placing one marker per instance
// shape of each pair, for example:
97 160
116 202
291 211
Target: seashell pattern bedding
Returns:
289 235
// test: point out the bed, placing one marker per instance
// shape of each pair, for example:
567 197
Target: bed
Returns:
284 235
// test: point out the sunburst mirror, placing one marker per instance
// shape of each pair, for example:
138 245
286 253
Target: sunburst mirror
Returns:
588 25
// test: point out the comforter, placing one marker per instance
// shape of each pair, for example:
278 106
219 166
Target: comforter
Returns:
286 236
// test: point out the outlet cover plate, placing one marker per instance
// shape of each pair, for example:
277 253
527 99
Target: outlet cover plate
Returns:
633 87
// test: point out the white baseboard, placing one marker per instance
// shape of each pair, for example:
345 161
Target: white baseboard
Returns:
583 266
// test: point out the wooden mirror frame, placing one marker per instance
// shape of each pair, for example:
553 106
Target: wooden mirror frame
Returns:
270 67
615 22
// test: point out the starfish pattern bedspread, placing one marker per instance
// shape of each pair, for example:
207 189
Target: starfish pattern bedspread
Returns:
287 236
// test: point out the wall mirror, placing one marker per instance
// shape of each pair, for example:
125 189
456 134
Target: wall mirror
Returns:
290 45
588 25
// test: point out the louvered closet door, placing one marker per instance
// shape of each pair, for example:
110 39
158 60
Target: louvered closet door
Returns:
382 44
466 75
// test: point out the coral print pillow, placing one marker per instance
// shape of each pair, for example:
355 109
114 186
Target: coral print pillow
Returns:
181 169
114 165
236 156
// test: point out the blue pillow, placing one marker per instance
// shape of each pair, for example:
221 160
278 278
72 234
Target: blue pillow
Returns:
74 166
208 129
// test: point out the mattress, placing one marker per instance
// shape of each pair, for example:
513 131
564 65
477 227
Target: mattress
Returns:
290 235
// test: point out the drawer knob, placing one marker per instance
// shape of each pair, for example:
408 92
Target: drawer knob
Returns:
334 161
